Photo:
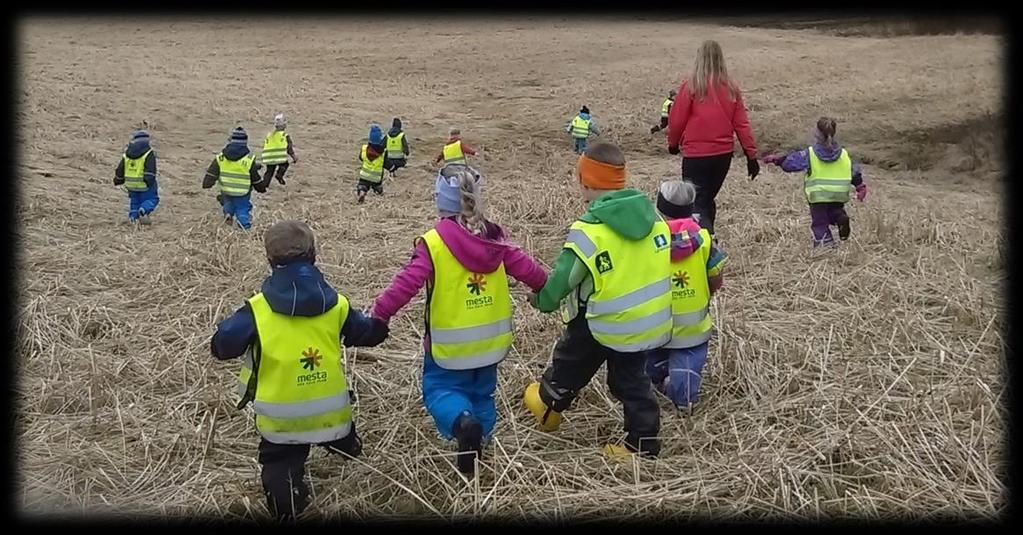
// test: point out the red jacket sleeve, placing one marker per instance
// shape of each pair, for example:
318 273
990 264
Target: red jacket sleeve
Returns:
678 115
467 149
743 129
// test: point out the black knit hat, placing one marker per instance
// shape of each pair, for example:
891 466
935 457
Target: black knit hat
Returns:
584 110
238 135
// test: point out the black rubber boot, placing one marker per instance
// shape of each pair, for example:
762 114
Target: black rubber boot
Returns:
843 228
468 432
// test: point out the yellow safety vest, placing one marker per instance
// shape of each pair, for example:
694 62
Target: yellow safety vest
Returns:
469 314
275 148
453 152
371 171
828 181
134 170
690 297
630 307
234 176
580 127
664 107
394 150
300 394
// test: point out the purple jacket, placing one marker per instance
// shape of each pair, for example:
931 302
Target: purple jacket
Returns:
800 160
475 253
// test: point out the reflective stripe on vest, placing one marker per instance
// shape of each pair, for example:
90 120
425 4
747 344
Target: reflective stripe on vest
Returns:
300 393
469 314
630 307
134 172
828 181
664 107
453 153
394 150
690 297
371 171
580 127
234 176
275 148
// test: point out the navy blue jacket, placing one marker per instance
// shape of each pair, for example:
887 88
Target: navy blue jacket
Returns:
134 150
235 152
296 289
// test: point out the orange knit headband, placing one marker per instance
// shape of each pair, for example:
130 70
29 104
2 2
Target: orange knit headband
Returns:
600 175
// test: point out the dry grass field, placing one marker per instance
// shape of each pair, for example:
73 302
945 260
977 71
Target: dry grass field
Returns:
864 383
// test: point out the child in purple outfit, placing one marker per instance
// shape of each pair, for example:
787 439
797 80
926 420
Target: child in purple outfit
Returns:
829 174
463 262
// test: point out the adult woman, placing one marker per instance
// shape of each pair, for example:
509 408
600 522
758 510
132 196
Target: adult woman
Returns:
707 113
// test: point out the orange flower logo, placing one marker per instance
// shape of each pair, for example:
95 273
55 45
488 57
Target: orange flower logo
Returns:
310 358
681 279
477 284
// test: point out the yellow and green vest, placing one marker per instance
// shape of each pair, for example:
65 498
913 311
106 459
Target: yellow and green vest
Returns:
275 148
690 296
394 149
453 153
134 172
580 127
828 181
234 176
371 171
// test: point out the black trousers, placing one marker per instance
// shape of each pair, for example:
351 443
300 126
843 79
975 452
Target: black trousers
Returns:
577 357
707 173
393 165
280 168
662 126
283 472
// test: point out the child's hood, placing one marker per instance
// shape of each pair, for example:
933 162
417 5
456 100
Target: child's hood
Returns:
137 148
235 151
584 116
826 153
476 254
298 289
627 211
685 237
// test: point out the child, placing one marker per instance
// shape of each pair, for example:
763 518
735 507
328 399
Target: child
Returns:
293 373
236 173
581 126
397 148
829 173
696 263
371 172
464 262
613 273
665 111
276 148
455 149
137 171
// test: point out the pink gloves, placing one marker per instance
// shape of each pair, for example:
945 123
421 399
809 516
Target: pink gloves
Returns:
775 159
861 192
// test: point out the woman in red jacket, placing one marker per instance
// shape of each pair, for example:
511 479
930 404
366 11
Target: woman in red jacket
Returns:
707 113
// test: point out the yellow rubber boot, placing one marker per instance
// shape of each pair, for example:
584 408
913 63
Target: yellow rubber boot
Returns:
531 399
616 451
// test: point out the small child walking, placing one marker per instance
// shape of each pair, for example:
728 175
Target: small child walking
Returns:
464 262
676 368
235 172
580 127
371 169
665 111
276 148
455 149
397 151
137 172
830 174
291 334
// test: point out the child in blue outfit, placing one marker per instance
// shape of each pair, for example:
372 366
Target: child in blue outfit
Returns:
137 172
236 172
580 127
676 369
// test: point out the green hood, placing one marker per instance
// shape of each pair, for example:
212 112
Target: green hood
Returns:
627 211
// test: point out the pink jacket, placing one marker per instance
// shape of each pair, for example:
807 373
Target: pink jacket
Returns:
476 254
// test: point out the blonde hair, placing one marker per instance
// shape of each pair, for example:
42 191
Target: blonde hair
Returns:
678 192
710 69
471 217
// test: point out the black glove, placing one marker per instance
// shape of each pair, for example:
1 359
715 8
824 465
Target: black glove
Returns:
752 167
220 200
673 150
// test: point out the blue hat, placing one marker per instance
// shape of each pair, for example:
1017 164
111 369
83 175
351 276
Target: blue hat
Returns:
238 135
376 134
140 135
449 196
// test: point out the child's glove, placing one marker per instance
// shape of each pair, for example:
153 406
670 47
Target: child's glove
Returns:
220 199
774 159
861 192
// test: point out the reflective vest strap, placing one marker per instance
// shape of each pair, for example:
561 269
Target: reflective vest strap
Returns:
630 300
302 408
372 171
580 127
680 342
627 327
582 241
472 362
308 437
689 318
471 334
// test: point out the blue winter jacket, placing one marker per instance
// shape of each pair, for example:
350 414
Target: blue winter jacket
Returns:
295 289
